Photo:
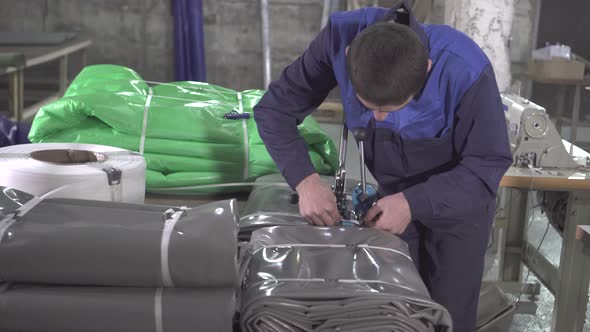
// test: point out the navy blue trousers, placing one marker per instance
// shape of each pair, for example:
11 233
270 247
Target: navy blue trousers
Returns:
450 257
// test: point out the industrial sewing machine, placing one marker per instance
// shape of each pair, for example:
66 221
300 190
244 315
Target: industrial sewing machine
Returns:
536 143
533 138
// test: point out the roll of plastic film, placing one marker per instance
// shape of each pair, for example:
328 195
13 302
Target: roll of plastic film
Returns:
70 170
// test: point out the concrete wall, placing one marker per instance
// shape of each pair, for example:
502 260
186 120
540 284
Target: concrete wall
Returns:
139 33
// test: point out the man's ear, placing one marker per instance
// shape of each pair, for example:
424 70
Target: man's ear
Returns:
429 65
346 53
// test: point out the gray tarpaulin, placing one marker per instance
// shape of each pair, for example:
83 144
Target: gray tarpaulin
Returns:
115 309
271 203
298 278
75 242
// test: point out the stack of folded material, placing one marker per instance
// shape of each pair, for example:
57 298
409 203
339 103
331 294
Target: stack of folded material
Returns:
74 265
191 134
298 278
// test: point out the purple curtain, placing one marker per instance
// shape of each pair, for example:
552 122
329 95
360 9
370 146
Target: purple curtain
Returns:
189 41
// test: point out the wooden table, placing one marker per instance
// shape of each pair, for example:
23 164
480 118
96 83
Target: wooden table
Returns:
36 55
569 282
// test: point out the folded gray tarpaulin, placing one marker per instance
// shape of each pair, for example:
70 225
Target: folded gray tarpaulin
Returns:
12 199
79 242
298 278
100 309
273 203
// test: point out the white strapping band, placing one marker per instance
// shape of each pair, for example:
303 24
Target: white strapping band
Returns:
165 245
158 310
10 219
146 109
311 245
246 147
344 281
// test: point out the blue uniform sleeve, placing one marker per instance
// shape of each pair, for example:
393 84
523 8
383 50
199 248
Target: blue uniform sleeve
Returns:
301 88
12 133
481 140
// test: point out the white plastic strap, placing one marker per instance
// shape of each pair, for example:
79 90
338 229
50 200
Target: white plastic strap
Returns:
220 185
271 214
158 310
146 109
311 245
344 281
165 245
21 211
246 147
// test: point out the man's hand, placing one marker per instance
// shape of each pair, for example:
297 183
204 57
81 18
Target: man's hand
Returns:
395 217
317 202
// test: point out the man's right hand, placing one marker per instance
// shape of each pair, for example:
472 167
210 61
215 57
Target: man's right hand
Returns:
317 202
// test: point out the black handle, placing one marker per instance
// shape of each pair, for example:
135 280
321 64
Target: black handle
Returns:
360 134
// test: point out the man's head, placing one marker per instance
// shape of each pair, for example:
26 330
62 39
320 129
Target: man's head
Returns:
388 65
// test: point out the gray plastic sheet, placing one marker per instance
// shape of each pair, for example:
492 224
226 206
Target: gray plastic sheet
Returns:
299 278
11 200
272 203
34 308
76 242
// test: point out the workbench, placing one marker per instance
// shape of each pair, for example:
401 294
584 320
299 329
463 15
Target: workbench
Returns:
569 281
36 55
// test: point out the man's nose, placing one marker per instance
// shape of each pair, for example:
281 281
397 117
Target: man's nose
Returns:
379 116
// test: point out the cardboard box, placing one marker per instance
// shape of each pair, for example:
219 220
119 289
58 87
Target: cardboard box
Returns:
556 69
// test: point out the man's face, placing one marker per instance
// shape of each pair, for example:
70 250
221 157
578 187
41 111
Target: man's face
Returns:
380 112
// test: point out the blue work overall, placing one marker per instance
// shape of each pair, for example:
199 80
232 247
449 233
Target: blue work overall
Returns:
446 150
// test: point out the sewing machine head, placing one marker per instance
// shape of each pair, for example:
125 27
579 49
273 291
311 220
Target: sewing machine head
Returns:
533 138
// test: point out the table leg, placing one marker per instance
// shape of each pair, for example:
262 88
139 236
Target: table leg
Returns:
21 94
575 117
12 94
511 258
15 87
83 57
571 298
561 95
63 74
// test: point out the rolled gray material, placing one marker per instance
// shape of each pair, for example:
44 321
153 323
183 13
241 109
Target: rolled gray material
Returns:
298 278
99 309
76 242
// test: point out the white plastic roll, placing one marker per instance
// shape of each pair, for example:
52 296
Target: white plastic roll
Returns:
70 170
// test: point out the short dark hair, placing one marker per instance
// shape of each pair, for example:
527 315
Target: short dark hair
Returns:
387 64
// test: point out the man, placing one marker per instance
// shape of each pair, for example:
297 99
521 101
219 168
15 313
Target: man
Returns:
437 142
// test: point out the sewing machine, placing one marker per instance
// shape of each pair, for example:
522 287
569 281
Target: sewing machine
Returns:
533 138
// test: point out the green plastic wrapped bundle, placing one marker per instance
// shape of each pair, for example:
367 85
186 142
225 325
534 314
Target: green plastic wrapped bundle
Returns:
187 143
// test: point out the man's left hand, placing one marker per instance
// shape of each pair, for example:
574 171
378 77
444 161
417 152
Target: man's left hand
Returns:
395 214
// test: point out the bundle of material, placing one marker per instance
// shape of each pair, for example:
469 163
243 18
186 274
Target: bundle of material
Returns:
300 278
104 263
271 203
193 135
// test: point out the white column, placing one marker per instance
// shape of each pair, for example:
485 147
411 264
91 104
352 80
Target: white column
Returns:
489 24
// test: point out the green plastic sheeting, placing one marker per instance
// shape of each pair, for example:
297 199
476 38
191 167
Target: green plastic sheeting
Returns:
188 142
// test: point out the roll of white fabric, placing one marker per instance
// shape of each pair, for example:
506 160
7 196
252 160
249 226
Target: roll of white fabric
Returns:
69 170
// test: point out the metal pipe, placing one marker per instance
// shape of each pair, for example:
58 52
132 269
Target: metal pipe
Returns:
326 12
363 170
265 30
